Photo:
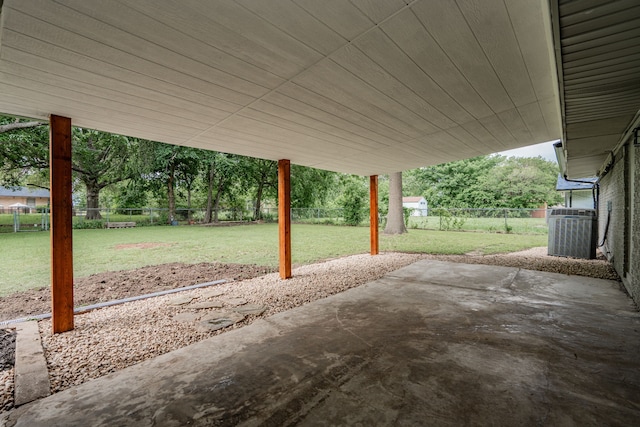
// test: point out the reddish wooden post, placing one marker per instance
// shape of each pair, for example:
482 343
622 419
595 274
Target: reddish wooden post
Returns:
373 213
284 217
61 230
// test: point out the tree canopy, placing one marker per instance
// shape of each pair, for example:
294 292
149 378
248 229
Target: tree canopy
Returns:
486 181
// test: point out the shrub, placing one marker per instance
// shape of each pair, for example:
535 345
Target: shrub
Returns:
353 203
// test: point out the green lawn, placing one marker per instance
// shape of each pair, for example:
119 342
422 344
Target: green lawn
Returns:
485 224
24 260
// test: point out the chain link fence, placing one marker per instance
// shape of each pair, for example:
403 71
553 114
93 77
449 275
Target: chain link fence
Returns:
491 220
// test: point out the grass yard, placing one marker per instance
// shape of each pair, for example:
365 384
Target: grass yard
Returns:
24 262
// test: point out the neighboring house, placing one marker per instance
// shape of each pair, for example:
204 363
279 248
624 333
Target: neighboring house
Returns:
22 198
577 194
417 203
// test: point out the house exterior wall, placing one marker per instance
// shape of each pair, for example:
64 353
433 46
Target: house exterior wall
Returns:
419 208
622 243
6 201
634 285
581 199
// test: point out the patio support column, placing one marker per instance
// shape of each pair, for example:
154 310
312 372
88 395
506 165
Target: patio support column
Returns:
61 230
284 217
373 213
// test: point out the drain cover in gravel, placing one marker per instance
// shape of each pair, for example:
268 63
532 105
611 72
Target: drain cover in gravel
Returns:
180 301
235 301
205 304
212 293
251 309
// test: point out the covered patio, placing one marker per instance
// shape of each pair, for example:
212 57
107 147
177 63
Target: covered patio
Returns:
434 343
368 87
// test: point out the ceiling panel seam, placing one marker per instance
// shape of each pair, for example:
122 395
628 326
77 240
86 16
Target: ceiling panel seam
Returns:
485 55
424 72
105 76
291 79
276 123
335 131
453 62
317 107
221 89
74 85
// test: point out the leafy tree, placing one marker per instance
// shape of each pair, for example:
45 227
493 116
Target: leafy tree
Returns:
454 184
131 194
99 159
166 165
260 177
24 150
220 171
353 200
522 183
487 181
187 172
310 186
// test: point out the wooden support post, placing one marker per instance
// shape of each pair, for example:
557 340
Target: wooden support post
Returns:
373 213
61 230
284 217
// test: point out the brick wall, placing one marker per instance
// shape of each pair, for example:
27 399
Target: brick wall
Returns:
612 189
633 284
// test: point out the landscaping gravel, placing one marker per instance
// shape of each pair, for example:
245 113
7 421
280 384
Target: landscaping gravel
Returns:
110 339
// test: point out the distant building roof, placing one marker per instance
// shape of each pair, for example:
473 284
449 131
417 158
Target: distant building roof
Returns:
564 185
23 192
412 199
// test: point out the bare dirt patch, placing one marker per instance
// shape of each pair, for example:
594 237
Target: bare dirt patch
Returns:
148 245
122 284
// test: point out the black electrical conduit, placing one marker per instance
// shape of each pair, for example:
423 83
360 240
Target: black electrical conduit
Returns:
595 191
86 308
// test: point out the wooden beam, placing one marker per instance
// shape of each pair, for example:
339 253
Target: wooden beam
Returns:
284 217
61 230
373 213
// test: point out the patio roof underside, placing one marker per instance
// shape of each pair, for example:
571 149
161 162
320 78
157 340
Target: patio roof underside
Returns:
365 87
361 86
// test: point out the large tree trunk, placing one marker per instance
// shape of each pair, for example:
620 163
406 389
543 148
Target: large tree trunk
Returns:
189 204
395 216
210 177
93 200
171 195
216 203
258 211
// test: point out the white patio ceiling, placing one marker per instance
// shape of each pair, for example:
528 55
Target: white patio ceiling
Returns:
359 86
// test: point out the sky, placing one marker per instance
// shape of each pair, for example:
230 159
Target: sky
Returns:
545 150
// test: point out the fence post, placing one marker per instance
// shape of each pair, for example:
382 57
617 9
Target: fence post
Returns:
506 226
16 224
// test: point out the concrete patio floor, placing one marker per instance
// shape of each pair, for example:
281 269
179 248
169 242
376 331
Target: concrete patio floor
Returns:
434 343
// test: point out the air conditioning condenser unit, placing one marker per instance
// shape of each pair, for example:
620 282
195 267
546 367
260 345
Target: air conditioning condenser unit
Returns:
573 233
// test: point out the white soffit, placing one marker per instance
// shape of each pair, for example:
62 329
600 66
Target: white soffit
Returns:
600 48
361 86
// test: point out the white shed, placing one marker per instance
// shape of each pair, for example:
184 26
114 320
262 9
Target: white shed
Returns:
417 203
